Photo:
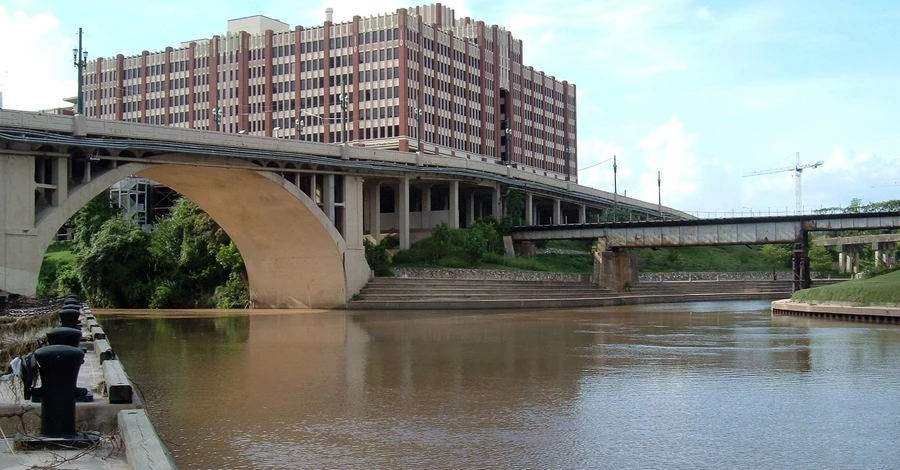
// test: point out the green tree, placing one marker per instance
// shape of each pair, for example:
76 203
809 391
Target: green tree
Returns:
776 256
820 259
195 261
90 218
515 208
115 269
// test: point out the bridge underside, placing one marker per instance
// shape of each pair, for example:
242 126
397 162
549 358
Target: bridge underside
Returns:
294 255
282 242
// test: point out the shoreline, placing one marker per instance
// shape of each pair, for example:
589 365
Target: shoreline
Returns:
838 310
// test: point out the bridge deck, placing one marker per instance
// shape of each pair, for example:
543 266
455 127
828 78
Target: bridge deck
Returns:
709 232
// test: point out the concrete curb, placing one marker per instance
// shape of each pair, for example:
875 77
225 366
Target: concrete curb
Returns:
143 447
873 314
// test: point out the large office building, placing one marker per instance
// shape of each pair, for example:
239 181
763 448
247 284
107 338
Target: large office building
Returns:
374 81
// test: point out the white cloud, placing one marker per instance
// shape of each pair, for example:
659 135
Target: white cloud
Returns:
34 61
704 14
668 149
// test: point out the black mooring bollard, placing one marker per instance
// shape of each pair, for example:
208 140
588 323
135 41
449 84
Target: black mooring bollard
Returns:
68 317
59 365
64 335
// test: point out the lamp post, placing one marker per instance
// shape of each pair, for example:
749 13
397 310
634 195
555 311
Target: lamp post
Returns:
508 133
79 60
659 191
300 124
344 100
217 116
418 115
615 189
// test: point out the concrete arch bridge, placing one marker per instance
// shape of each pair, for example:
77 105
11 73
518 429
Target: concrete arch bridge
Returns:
297 211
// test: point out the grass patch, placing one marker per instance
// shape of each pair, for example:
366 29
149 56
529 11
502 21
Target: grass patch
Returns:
884 289
700 259
550 262
58 263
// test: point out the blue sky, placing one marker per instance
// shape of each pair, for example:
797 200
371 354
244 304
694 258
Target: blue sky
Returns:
702 91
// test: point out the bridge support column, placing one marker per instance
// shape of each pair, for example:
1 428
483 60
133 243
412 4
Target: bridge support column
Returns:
496 208
20 246
312 189
878 248
328 197
470 209
800 278
454 204
529 209
557 212
615 270
403 213
582 213
356 270
842 260
426 206
61 180
375 212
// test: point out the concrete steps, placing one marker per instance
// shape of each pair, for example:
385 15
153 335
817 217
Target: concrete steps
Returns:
447 294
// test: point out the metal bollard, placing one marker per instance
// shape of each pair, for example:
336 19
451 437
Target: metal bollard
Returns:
64 335
68 317
59 365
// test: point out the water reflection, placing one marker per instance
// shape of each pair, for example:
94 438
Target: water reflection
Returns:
707 385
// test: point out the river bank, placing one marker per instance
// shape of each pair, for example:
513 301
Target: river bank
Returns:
875 299
113 432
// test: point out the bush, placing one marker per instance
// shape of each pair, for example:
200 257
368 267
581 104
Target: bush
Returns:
482 238
377 257
390 242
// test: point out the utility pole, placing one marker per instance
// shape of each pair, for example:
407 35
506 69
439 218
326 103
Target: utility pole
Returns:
80 62
659 191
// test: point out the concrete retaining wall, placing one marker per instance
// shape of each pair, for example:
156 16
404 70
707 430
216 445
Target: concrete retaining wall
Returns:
489 274
838 311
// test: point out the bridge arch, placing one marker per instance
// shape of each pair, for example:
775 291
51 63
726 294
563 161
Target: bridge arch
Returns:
293 253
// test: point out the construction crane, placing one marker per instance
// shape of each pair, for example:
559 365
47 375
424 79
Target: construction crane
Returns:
798 170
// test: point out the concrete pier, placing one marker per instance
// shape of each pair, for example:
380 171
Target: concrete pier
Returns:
113 403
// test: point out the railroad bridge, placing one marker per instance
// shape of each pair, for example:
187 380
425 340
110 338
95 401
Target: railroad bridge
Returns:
615 267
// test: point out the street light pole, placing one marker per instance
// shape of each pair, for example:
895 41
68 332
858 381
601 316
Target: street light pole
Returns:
300 124
659 191
418 115
344 110
508 133
615 189
80 62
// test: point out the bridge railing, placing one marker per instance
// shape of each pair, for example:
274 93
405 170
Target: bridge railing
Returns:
784 211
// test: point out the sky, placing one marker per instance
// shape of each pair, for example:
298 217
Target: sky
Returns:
702 92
